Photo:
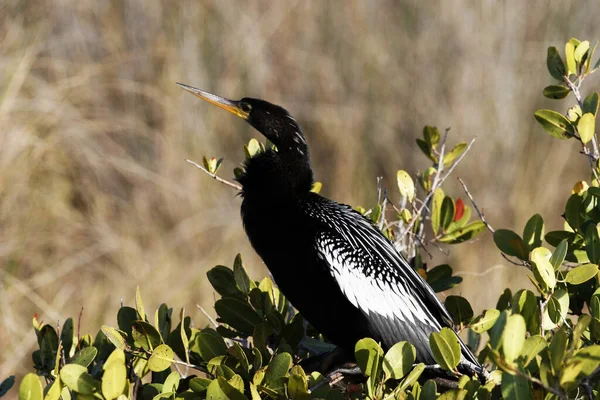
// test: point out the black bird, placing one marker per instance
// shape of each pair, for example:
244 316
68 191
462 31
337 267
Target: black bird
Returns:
333 264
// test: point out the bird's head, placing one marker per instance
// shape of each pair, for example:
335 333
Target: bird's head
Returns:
273 121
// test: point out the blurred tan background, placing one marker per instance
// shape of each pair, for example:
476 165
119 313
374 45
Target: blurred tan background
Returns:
95 195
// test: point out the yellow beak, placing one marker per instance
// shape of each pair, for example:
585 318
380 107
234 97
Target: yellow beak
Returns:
226 104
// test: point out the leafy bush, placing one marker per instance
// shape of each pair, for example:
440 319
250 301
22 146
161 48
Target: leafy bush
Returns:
538 343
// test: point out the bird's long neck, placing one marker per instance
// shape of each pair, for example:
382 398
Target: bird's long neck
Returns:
277 175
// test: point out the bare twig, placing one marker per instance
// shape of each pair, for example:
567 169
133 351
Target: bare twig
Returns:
207 315
547 388
215 176
479 212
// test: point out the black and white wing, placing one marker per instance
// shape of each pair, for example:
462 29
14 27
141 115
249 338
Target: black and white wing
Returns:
378 280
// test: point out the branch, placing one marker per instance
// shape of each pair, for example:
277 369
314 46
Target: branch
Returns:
214 176
480 212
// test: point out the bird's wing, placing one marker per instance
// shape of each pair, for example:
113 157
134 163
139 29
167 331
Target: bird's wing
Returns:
376 278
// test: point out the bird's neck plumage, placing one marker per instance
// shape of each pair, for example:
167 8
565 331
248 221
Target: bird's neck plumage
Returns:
276 175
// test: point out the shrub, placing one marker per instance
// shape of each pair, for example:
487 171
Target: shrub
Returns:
538 343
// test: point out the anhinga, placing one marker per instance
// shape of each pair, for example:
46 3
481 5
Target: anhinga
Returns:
339 271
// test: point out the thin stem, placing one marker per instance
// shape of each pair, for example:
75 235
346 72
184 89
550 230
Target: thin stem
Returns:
479 212
214 176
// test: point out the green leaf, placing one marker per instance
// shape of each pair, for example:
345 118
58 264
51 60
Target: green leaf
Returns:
223 281
559 254
525 303
581 274
514 337
85 356
532 347
426 149
556 92
199 385
145 335
534 231
210 344
114 378
171 383
446 348
298 388
497 331
463 234
460 309
368 355
252 148
426 178
440 278
412 377
515 387
558 347
214 390
556 310
66 337
446 212
375 213
431 135
76 378
581 50
555 124
542 268
30 388
237 314
485 321
139 305
278 367
399 359
592 244
555 64
161 358
6 385
454 153
586 127
405 185
511 244
570 56
242 280
436 210
590 104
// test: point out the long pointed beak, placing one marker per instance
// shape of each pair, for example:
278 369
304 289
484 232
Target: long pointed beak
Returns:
226 104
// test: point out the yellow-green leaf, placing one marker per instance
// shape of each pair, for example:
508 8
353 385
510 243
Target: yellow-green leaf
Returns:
540 256
399 359
555 124
485 321
581 274
581 50
436 210
445 348
31 388
161 358
76 378
405 185
115 375
570 56
586 127
514 337
455 153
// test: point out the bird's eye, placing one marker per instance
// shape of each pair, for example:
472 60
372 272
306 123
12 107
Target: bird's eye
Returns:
246 107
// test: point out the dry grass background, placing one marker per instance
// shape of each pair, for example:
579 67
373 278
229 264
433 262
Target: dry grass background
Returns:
95 195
